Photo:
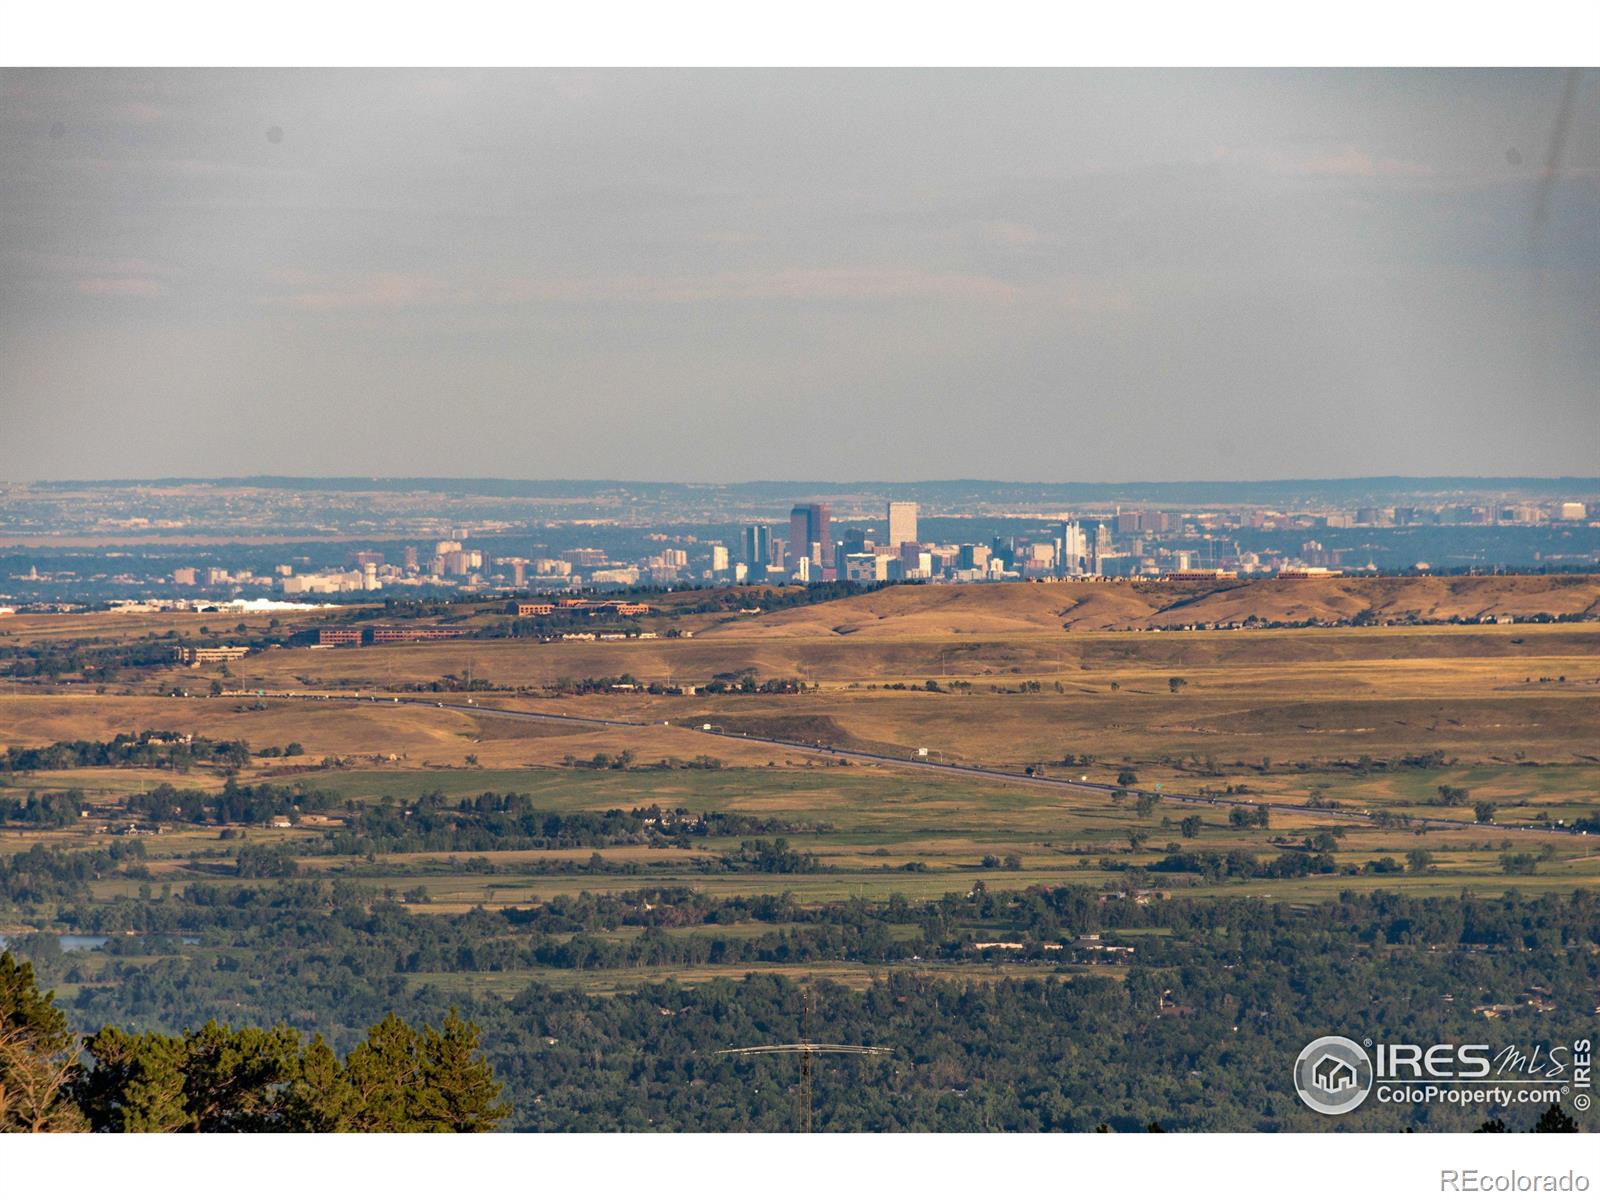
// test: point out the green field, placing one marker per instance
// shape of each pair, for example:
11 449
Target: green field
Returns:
1373 720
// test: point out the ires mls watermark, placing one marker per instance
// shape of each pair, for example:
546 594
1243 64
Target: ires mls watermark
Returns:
1335 1075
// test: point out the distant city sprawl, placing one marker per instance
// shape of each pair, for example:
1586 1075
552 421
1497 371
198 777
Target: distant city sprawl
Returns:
266 542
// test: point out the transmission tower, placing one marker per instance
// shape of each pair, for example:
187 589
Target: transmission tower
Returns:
807 1050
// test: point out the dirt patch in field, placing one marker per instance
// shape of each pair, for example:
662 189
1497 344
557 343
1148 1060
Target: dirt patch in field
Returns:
490 730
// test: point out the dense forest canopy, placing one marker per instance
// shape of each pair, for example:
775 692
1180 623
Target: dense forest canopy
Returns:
1195 1028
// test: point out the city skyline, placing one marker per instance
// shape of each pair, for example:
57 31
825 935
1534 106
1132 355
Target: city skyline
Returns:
193 545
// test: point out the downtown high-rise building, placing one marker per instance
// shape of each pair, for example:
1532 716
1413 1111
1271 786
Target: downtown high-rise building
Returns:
851 541
1072 549
1099 548
755 547
809 539
902 523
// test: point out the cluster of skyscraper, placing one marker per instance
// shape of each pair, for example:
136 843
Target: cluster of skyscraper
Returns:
811 553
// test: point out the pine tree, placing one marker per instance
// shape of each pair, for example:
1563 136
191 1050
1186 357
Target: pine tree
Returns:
218 1079
385 1074
233 1079
321 1099
38 1056
136 1084
461 1095
1555 1120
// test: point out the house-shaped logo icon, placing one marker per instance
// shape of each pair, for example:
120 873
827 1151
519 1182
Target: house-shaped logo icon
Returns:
1333 1075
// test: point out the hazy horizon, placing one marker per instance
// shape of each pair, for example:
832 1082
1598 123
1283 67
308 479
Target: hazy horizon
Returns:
886 276
1397 484
763 482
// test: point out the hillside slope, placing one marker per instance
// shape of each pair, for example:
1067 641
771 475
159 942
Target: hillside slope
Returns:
973 610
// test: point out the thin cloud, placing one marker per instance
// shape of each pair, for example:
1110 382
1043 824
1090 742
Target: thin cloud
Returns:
136 288
1010 233
1344 162
402 290
381 290
1354 163
818 283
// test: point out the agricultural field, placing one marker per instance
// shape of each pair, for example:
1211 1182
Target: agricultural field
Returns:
1395 724
773 798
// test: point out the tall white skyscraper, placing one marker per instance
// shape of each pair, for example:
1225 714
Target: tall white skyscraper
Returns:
1099 548
902 523
1074 549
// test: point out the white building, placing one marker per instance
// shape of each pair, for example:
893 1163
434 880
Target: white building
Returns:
902 523
1074 549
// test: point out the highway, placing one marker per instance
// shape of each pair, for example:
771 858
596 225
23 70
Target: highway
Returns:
973 771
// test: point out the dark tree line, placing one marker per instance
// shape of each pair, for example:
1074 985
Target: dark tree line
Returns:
149 748
43 810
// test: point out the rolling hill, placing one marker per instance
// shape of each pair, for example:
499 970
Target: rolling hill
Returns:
1112 606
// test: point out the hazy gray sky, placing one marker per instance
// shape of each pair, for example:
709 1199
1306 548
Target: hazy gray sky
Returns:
721 275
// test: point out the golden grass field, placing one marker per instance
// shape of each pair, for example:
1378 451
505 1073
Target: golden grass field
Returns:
1098 605
1529 651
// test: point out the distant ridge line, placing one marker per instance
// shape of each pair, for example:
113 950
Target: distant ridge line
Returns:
936 490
